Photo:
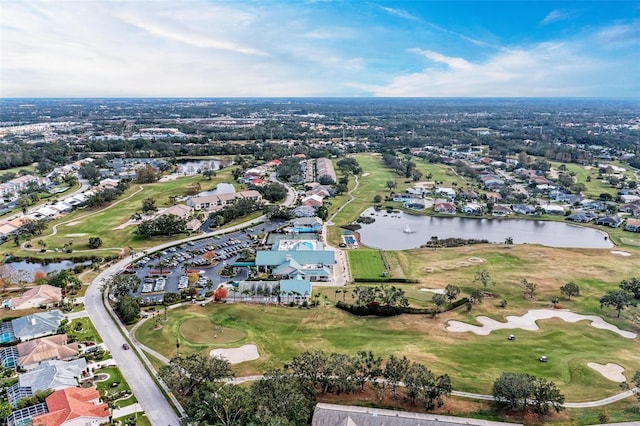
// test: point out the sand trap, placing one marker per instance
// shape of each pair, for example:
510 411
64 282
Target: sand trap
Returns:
76 235
237 355
73 223
621 253
168 178
475 260
610 371
433 290
365 174
528 322
429 269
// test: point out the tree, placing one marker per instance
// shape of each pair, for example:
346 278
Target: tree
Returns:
209 256
546 395
220 294
149 205
63 279
122 284
281 399
422 385
394 372
529 287
40 278
185 373
451 291
147 174
636 381
322 212
128 309
391 185
439 300
508 240
513 390
618 299
95 242
484 278
5 410
220 404
631 285
366 368
377 199
570 289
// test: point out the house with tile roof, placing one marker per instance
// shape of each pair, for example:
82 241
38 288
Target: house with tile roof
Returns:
35 297
74 407
53 375
33 352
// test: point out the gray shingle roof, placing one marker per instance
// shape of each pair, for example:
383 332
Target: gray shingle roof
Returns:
37 325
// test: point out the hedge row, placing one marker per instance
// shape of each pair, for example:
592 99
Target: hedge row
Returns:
389 311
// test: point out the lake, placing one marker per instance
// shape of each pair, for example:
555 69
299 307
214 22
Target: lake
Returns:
388 232
196 166
32 268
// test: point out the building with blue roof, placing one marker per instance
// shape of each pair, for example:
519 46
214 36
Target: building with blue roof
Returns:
312 265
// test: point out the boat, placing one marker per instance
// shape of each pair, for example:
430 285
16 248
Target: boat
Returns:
408 230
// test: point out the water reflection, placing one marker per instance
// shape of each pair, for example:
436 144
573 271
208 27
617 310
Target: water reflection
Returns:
387 232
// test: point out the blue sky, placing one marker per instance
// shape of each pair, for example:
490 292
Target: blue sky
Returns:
207 48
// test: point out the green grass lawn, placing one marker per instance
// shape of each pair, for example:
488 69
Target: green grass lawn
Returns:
366 264
106 386
472 361
87 333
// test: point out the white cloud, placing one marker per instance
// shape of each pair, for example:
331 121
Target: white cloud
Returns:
400 13
555 16
544 70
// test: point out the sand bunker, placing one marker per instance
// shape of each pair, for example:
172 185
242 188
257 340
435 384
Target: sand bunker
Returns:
73 223
237 355
610 371
528 322
76 235
621 253
433 290
429 269
475 260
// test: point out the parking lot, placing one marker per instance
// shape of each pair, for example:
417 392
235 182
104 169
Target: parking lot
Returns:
166 270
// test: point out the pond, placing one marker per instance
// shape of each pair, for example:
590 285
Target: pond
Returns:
33 267
197 166
400 231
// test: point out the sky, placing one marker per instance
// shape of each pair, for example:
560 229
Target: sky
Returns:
319 48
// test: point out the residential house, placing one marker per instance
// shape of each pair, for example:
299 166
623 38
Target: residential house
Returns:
468 194
450 193
491 181
415 204
444 207
525 209
553 209
632 225
38 296
612 221
312 201
418 191
36 325
324 167
494 196
53 375
304 211
501 210
56 347
306 225
74 407
472 208
632 208
581 217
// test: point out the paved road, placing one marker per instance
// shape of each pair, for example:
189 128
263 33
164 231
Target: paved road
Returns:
151 399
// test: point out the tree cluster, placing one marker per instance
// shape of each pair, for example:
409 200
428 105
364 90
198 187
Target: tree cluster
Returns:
273 192
164 225
627 295
520 391
384 295
106 196
240 208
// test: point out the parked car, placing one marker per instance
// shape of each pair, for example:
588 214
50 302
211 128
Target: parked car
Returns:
126 346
